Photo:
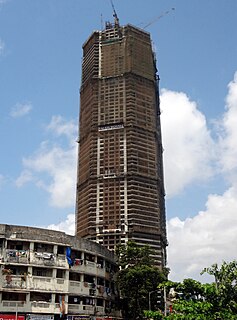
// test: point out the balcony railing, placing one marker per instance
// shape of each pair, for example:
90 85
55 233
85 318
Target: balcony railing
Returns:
89 266
14 281
89 308
46 307
74 308
48 259
38 258
43 258
12 306
60 285
17 256
39 304
100 309
74 286
41 283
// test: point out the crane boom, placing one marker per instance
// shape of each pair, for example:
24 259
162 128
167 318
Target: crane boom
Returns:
157 18
116 19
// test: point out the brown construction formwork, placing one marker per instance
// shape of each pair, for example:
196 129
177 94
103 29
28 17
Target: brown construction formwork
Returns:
120 188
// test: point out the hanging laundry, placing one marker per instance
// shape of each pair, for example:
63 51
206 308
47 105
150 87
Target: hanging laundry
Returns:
69 256
48 256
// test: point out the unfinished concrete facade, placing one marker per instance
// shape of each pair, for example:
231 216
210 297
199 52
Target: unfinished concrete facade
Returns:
120 189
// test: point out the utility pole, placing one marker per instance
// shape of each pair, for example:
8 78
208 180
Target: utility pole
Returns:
149 298
165 303
16 310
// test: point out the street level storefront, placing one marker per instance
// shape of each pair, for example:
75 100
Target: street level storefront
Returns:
49 317
11 317
39 317
82 317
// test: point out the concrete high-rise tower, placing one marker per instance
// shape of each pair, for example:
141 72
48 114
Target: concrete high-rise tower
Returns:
120 187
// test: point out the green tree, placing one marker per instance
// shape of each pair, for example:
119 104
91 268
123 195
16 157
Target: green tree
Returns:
196 301
225 285
136 279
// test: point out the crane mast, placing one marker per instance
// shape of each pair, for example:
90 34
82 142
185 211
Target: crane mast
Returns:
116 19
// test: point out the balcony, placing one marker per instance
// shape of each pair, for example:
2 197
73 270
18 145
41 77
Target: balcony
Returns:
84 309
17 256
100 290
60 261
100 310
14 281
41 283
43 258
90 267
88 309
88 288
46 307
100 271
60 285
75 287
74 308
12 306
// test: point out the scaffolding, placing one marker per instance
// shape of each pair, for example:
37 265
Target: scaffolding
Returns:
120 189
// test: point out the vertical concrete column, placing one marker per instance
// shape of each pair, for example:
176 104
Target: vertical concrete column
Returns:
66 275
66 303
31 246
54 274
53 296
28 301
55 249
29 278
31 253
4 250
83 256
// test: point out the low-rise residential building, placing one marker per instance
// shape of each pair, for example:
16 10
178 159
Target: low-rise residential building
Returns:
48 274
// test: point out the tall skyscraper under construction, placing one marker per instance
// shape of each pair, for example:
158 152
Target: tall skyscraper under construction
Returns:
120 187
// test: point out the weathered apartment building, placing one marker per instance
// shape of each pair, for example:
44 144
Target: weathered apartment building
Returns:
120 188
47 275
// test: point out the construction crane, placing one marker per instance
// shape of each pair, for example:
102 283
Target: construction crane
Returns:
116 19
157 18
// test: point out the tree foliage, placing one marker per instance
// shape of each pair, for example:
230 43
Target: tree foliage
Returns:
136 279
155 315
210 301
225 284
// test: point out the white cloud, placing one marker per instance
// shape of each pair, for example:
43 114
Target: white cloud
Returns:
67 226
61 127
188 147
207 238
53 167
211 235
228 135
25 176
20 110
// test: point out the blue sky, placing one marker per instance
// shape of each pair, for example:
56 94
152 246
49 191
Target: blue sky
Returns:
40 70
